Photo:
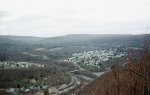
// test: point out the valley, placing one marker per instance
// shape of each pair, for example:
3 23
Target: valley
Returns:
60 65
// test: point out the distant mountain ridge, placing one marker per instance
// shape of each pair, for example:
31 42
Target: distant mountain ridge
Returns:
94 39
76 39
20 39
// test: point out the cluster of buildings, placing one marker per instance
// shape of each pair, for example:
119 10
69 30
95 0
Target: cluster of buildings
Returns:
39 90
96 57
15 65
27 91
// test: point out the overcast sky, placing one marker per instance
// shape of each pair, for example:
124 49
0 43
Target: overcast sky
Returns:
61 17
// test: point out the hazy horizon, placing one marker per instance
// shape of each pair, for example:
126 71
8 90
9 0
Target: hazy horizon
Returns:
62 17
67 35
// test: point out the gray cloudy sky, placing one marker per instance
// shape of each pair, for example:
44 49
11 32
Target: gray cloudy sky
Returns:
61 17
